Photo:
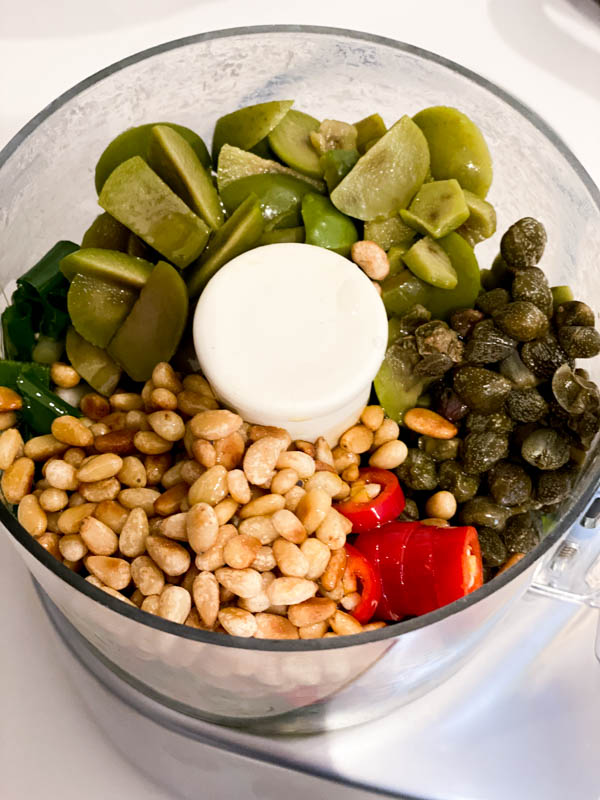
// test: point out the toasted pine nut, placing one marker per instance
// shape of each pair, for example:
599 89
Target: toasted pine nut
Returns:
293 497
71 518
374 626
198 383
238 487
230 450
61 475
202 527
41 448
441 505
72 547
204 453
211 487
342 459
76 500
71 431
357 439
316 609
17 480
283 481
312 509
167 424
215 424
98 491
31 515
94 406
302 463
242 582
435 522
120 442
372 417
98 537
335 570
7 420
74 456
260 459
274 626
290 559
173 475
99 429
50 542
289 591
429 423
113 572
126 401
257 432
225 510
260 527
151 604
142 498
150 443
147 575
205 591
323 451
388 431
267 504
170 556
344 625
287 525
371 258
132 473
318 555
75 566
264 561
173 527
11 447
389 455
315 631
191 471
237 621
350 601
330 482
136 421
260 601
334 529
132 541
175 604
514 559
306 447
9 400
137 598
192 403
99 468
169 502
64 375
53 499
164 377
156 466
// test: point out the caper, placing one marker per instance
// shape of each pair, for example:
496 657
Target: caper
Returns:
531 284
493 549
454 479
492 300
464 320
574 313
433 366
417 315
579 341
543 356
437 337
481 389
487 344
554 487
586 426
450 406
517 373
573 392
509 484
526 405
546 448
523 243
494 423
500 275
482 450
440 449
418 471
522 533
483 511
411 511
522 320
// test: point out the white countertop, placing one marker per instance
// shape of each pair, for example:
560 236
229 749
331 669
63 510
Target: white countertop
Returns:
545 53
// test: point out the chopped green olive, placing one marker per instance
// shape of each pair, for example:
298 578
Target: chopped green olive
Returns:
438 208
93 363
327 227
442 302
290 141
107 233
109 265
248 126
98 307
235 163
336 164
280 197
369 129
400 292
431 264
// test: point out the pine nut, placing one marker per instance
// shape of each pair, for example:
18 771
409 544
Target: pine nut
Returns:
99 468
74 566
372 417
389 455
273 626
169 502
98 491
357 439
211 487
204 453
323 451
94 406
237 622
329 482
71 518
113 572
198 383
344 624
50 542
7 420
289 591
9 400
334 571
283 481
53 499
264 561
192 403
334 529
260 459
99 429
312 509
76 500
41 448
126 401
318 555
342 459
514 559
167 424
293 497
156 466
260 601
64 375
302 463
115 421
136 421
290 559
170 556
132 541
74 456
174 604
191 471
225 510
151 604
230 450
350 601
121 442
315 631
202 527
441 505
71 431
72 547
215 424
132 473
317 609
31 515
262 506
139 498
287 525
435 522
137 598
98 537
261 528
147 575
151 444
371 258
11 447
374 626
17 480
164 377
173 475
61 475
429 423
387 432
112 514
205 592
242 582
238 487
305 447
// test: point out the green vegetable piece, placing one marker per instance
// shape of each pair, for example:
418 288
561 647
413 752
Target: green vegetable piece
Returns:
175 161
392 232
97 307
280 197
139 249
395 254
155 324
109 265
93 363
40 405
561 294
327 227
290 141
402 291
107 233
333 134
457 147
18 335
241 232
248 126
283 235
442 302
336 164
481 222
135 142
395 329
396 385
385 178
47 350
137 197
428 261
10 371
438 208
235 163
369 129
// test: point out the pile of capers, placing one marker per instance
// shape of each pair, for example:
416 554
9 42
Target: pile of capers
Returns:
526 414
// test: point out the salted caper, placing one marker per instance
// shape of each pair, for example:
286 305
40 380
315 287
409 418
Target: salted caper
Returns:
487 344
482 450
554 487
449 405
481 389
410 321
418 471
513 368
492 300
522 533
546 448
440 449
578 341
493 549
522 320
574 313
483 511
494 423
411 511
573 392
437 337
531 284
464 320
586 426
526 405
454 479
509 484
543 356
523 243
433 365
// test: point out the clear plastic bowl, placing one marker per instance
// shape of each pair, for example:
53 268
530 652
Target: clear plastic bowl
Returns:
47 193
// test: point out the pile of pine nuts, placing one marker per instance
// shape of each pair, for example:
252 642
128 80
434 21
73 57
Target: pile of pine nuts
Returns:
168 502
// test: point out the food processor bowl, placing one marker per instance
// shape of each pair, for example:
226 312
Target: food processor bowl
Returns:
47 193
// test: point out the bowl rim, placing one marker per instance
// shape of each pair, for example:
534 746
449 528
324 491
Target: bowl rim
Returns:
391 631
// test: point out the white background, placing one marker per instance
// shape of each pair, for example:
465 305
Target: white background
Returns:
547 53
